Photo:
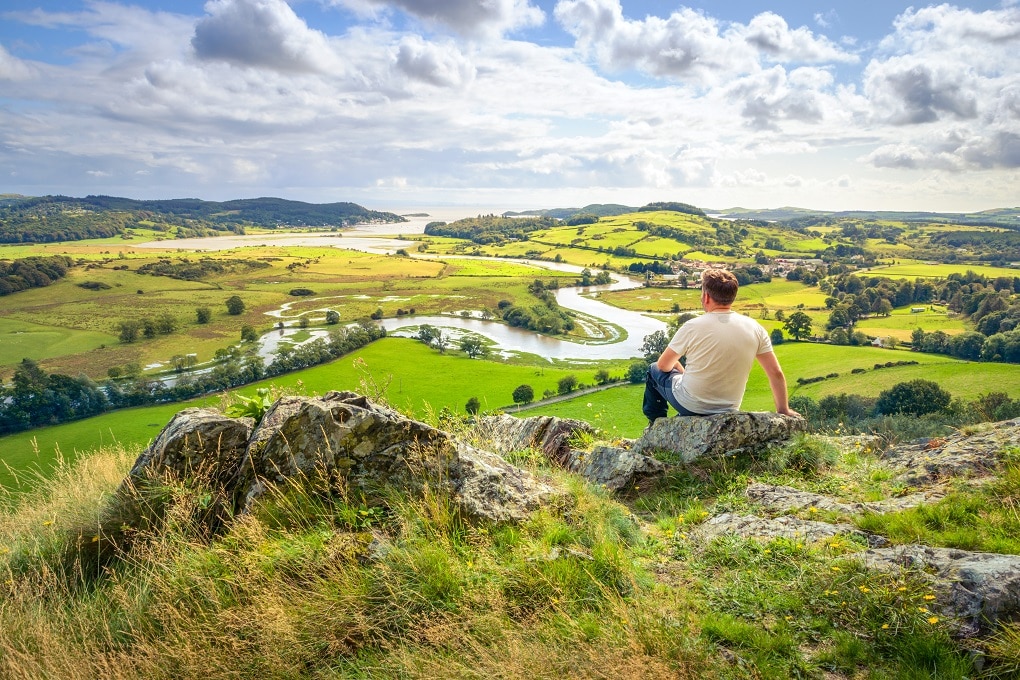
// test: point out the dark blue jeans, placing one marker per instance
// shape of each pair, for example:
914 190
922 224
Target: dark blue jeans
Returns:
659 394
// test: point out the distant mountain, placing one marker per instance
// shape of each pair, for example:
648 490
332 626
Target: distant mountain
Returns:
597 209
62 218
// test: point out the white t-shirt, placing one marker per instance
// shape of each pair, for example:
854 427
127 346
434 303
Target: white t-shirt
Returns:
720 349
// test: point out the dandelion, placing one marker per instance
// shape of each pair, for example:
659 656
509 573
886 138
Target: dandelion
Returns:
885 626
864 589
933 620
789 618
902 589
812 509
929 597
923 610
836 569
47 523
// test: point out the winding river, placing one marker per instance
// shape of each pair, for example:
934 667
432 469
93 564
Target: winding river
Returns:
622 332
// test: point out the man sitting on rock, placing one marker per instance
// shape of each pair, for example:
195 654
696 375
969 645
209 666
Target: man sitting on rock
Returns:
720 346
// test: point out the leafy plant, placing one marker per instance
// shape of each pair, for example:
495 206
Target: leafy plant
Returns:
251 407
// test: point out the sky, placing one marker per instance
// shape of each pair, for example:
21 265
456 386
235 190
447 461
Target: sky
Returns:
516 104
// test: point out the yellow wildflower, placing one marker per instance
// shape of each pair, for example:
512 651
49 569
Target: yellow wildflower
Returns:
864 589
885 626
929 597
933 620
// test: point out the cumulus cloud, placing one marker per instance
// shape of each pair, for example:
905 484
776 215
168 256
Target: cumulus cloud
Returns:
910 92
773 96
439 65
467 17
771 34
261 34
689 44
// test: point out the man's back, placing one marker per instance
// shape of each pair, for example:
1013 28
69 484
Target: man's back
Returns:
720 348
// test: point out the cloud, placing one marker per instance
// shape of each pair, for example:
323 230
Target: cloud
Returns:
261 34
771 34
12 68
911 92
688 44
773 96
481 18
439 65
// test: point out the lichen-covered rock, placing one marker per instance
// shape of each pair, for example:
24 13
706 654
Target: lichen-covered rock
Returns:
752 526
980 589
615 468
692 437
370 446
506 434
788 499
199 443
958 455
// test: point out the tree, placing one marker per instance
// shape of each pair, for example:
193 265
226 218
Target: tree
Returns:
602 376
129 329
776 336
203 315
798 325
166 323
332 317
567 384
235 305
653 345
473 347
916 397
473 406
248 334
427 333
441 341
523 394
636 372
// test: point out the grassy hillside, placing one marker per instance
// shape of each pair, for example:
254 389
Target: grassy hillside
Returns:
326 583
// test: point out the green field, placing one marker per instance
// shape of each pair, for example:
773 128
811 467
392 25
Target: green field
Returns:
22 339
915 269
413 378
405 372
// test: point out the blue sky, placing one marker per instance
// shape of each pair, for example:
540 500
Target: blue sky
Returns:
514 104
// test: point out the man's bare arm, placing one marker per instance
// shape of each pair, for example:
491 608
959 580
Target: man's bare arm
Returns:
777 382
668 361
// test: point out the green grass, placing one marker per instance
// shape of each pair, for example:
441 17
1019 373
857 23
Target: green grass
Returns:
412 377
915 269
323 582
22 339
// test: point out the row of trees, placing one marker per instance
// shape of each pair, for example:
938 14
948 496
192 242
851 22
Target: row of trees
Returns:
35 398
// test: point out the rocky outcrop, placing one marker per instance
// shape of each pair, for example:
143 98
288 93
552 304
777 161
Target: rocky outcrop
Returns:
506 434
979 589
958 455
615 468
691 438
788 499
751 526
339 436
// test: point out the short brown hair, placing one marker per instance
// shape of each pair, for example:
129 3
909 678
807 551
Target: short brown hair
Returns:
720 285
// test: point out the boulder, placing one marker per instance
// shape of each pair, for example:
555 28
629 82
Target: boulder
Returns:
196 443
976 454
505 434
615 468
752 526
979 589
692 437
339 436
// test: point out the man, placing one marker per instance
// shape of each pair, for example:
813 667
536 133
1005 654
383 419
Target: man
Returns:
720 346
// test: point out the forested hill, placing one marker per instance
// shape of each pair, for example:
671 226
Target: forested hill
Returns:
63 218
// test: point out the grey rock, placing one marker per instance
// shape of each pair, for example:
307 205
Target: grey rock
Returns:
615 468
339 436
505 434
692 437
197 442
788 499
958 455
980 589
752 526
